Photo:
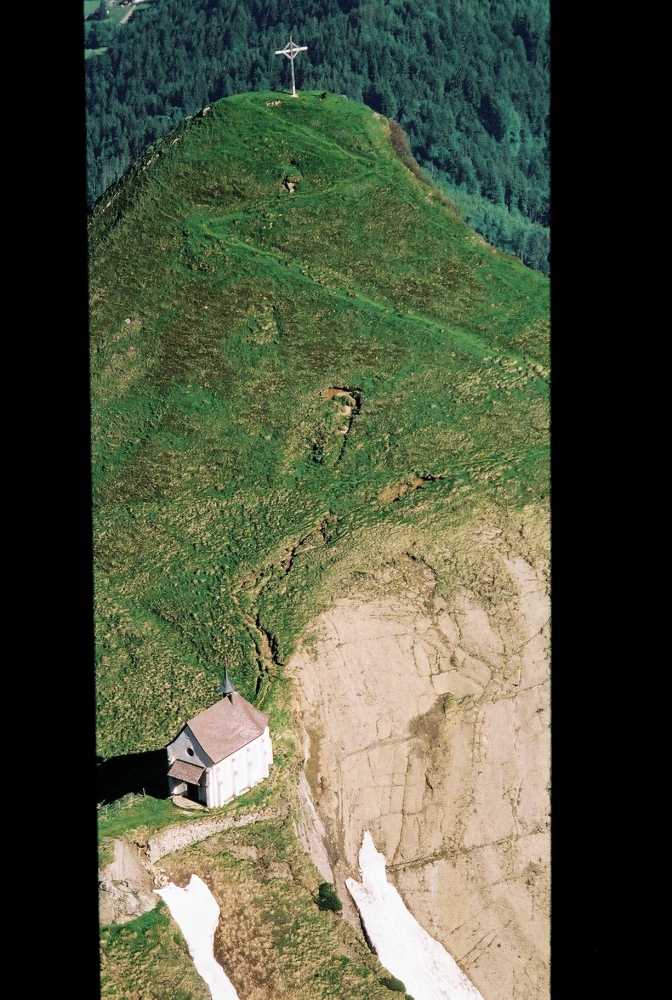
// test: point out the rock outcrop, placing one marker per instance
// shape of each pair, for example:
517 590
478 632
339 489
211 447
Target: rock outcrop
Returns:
125 887
429 726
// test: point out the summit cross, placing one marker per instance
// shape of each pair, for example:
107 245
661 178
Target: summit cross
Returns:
291 50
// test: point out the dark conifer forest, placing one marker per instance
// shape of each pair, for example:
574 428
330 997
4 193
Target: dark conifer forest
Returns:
468 81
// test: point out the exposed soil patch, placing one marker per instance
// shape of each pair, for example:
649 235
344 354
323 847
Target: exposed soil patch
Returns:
396 492
391 493
352 405
330 393
125 886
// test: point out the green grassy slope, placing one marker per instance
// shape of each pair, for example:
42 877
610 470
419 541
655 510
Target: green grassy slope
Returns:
232 496
272 940
148 953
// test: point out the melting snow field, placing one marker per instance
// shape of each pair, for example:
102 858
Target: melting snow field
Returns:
196 912
403 947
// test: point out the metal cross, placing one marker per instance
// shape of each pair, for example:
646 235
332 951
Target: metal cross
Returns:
290 51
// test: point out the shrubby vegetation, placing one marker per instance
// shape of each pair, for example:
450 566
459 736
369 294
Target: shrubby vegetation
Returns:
327 898
393 984
466 79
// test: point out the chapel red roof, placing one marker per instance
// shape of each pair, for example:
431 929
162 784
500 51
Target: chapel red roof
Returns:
227 726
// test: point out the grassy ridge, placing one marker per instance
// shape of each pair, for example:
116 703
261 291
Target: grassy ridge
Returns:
232 496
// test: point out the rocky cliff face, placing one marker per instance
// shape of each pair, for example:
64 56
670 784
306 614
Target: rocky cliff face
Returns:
428 724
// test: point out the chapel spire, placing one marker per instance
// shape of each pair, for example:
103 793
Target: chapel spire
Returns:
226 687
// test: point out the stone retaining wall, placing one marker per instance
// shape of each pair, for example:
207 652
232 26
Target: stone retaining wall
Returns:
183 836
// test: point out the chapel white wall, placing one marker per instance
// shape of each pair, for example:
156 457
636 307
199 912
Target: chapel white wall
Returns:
240 771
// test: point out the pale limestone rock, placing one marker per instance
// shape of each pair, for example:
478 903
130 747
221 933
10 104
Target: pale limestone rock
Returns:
454 791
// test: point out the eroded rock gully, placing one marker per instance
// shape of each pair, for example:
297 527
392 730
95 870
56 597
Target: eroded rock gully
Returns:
429 726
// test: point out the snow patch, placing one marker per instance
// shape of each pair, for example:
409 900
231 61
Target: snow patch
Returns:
404 948
196 912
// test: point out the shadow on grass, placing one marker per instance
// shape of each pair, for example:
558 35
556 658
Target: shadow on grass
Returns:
133 772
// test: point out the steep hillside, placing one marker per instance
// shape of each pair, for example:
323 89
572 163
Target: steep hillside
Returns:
314 385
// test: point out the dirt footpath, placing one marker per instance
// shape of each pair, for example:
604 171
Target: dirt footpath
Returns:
429 726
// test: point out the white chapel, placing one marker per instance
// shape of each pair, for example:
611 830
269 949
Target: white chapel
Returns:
222 752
